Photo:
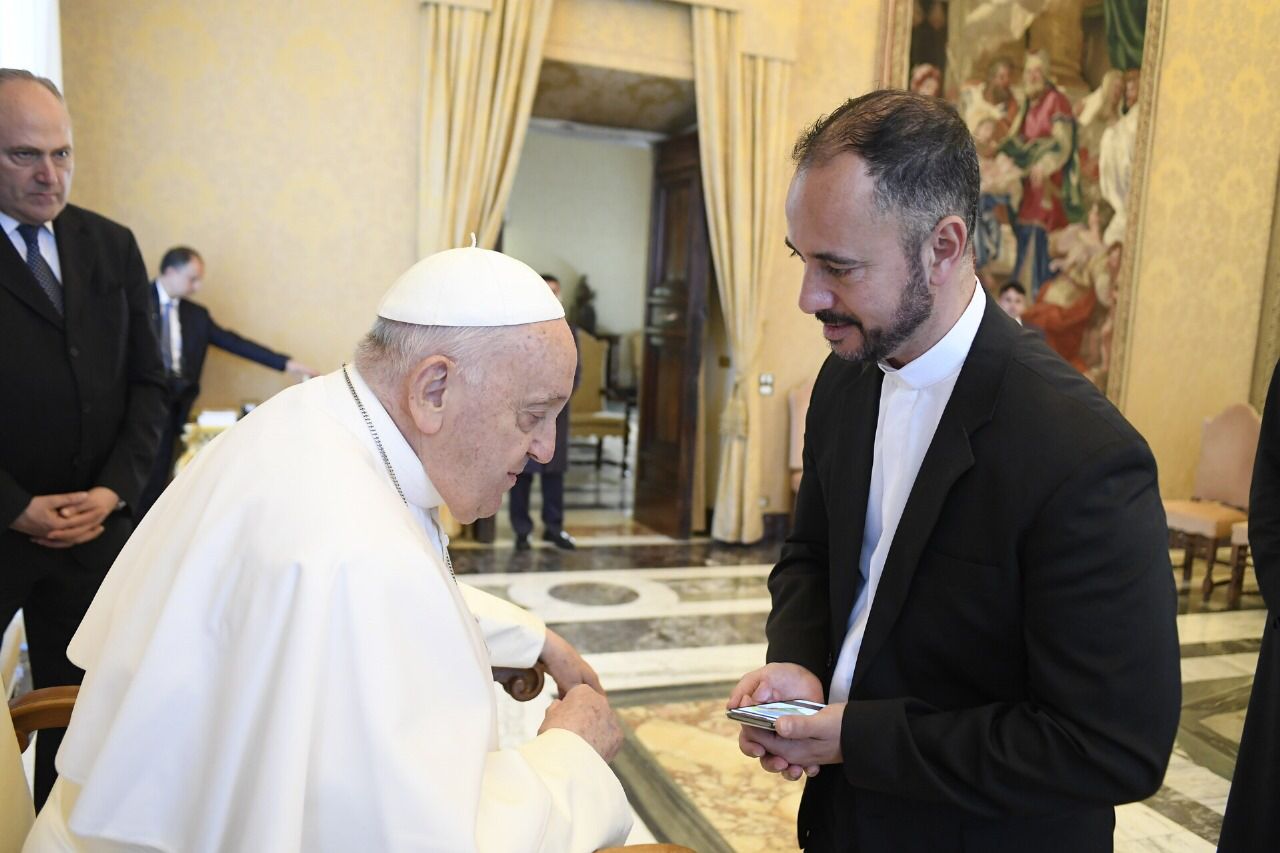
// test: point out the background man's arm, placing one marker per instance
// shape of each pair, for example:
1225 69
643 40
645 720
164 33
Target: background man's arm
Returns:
1103 683
245 348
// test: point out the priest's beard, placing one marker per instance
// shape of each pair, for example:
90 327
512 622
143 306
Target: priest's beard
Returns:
914 307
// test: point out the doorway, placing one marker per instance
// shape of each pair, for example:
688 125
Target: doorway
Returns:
589 207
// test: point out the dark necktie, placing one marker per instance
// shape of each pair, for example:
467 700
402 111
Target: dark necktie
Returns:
40 267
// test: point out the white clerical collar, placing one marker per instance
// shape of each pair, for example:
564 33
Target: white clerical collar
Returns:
10 224
413 479
944 358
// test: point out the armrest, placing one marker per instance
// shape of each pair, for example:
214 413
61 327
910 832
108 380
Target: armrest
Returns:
46 708
521 684
50 707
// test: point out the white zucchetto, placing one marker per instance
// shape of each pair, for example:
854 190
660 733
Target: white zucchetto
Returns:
470 287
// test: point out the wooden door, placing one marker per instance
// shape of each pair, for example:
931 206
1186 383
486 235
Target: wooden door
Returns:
675 311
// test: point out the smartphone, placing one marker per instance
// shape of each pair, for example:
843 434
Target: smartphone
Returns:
764 716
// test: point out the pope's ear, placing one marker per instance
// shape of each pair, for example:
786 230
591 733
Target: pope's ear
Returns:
429 383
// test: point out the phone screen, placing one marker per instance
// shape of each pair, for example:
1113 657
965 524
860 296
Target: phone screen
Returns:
764 716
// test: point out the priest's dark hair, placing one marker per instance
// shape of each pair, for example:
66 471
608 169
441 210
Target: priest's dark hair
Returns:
178 256
917 149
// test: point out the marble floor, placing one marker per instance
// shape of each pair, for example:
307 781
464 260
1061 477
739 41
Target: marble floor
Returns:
670 626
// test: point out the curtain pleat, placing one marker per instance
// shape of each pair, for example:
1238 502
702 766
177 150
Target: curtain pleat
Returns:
741 102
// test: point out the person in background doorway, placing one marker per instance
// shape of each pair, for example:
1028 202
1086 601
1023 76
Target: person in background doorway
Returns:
552 474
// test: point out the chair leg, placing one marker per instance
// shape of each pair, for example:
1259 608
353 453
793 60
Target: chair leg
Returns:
1238 554
1189 543
626 443
1212 557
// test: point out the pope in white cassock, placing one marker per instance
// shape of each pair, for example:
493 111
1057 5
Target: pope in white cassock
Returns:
281 660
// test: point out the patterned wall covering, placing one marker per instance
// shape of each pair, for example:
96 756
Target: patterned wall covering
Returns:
1208 222
279 143
641 36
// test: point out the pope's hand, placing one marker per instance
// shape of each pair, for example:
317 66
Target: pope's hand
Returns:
566 666
775 682
587 714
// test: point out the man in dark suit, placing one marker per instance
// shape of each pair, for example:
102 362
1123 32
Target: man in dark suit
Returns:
978 578
186 329
81 382
1252 821
552 474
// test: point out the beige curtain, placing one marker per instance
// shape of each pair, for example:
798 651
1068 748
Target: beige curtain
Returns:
482 61
741 109
481 72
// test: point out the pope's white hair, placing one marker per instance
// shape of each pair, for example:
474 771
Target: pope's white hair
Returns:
391 349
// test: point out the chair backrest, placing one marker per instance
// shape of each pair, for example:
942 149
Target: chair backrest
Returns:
798 404
16 810
589 397
1228 445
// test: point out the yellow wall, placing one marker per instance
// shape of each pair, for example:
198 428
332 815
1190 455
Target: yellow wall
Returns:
581 207
1210 202
835 61
277 138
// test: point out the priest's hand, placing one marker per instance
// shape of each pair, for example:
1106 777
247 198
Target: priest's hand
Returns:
775 682
566 666
587 714
801 744
82 518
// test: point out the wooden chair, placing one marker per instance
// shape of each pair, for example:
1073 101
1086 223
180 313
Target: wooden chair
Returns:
589 418
51 707
1239 559
1220 497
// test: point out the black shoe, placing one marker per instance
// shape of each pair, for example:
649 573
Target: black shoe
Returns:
522 543
560 539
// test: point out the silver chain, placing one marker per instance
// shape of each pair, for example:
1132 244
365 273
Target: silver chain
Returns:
391 472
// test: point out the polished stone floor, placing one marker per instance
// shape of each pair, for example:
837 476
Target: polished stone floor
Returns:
671 625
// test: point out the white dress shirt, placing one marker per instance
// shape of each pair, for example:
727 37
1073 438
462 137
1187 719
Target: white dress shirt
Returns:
48 243
911 403
170 315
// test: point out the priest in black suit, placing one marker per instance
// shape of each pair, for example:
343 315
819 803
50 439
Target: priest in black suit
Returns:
978 578
186 330
1252 821
81 385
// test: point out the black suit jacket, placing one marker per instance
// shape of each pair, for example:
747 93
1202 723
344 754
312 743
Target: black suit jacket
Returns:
1019 674
199 331
83 394
1252 821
